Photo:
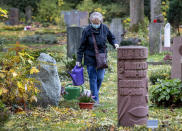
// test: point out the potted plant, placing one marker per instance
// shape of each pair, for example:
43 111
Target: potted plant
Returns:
86 101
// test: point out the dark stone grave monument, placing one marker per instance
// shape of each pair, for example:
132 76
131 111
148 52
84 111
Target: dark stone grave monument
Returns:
176 58
13 16
132 86
28 14
73 40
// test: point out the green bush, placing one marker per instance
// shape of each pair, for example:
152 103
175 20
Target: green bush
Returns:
48 11
166 92
159 73
14 28
44 39
174 13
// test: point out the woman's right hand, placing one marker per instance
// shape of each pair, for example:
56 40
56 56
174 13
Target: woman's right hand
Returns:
78 64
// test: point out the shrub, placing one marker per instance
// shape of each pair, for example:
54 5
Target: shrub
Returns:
44 39
48 11
166 92
84 98
159 73
15 85
14 28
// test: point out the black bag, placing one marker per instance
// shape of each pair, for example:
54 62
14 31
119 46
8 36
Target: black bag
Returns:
101 58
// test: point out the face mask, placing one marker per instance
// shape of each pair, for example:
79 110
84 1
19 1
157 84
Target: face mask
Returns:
96 26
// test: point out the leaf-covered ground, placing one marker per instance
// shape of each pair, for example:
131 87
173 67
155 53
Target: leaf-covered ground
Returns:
68 117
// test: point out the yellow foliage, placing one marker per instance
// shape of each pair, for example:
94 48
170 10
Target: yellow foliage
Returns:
34 70
16 67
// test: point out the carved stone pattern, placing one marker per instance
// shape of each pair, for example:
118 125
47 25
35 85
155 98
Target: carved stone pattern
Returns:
132 86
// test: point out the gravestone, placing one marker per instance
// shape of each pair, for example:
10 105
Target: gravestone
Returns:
132 86
155 8
176 58
155 38
116 28
84 18
13 16
73 40
28 14
167 35
50 87
75 18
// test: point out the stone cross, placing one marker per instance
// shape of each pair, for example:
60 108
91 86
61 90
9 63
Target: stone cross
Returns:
176 57
132 85
116 28
155 38
167 35
73 40
13 16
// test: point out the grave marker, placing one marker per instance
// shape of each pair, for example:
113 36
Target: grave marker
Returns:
176 57
155 38
73 40
132 86
13 16
167 35
116 28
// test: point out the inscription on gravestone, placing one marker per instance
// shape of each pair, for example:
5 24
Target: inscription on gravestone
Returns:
132 86
176 57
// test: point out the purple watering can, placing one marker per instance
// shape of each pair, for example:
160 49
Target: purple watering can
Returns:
77 76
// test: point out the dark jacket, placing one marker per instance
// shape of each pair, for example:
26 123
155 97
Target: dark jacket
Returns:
101 34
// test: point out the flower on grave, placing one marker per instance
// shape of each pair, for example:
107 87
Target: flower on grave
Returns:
155 20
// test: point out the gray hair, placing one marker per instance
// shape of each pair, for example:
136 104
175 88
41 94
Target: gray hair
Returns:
96 15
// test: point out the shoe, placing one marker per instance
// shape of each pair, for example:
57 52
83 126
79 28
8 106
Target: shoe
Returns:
96 104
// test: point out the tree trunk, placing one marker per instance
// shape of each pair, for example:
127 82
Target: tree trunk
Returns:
136 12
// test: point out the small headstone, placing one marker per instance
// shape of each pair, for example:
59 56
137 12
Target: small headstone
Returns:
176 57
83 18
152 124
28 14
132 86
116 28
155 8
73 40
167 35
13 16
75 18
50 88
155 38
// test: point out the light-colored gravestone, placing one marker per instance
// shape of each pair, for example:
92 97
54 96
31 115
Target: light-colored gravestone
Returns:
116 28
13 16
75 18
28 14
83 18
155 8
176 58
155 38
73 40
50 85
132 86
167 35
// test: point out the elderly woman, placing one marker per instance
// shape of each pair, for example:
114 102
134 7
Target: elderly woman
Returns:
102 34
